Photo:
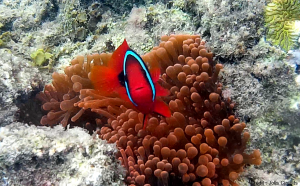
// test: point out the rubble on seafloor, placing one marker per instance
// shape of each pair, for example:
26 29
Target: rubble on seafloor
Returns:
38 155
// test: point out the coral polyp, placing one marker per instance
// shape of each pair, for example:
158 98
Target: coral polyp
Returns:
281 21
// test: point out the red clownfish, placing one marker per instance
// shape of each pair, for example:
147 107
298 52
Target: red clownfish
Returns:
128 76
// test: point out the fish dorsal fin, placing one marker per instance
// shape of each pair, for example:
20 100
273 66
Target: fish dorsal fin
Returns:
105 78
116 61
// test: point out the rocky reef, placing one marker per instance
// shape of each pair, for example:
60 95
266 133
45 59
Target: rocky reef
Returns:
260 78
33 155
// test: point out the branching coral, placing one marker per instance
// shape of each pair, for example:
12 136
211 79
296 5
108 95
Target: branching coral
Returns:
202 143
280 19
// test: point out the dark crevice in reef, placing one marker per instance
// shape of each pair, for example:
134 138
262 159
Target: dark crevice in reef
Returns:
30 111
51 13
29 108
7 26
259 79
226 60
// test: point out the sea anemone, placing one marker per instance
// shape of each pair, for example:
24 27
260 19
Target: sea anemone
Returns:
202 143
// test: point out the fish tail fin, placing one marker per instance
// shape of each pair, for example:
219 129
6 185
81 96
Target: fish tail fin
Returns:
162 108
105 79
145 121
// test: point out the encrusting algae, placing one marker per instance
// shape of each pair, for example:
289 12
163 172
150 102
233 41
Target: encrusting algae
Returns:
202 143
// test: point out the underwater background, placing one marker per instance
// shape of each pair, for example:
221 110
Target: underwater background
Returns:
258 82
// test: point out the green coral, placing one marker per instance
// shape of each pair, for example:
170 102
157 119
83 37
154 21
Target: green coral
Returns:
40 57
81 17
4 38
281 17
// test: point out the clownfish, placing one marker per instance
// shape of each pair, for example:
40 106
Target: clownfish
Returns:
127 75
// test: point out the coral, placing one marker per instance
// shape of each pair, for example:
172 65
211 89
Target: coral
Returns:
262 90
71 28
265 87
17 81
31 155
40 57
281 18
279 144
21 15
231 27
142 24
5 38
123 6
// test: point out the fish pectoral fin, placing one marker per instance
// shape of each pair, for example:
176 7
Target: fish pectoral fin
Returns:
155 73
121 91
162 108
160 91
145 120
116 61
